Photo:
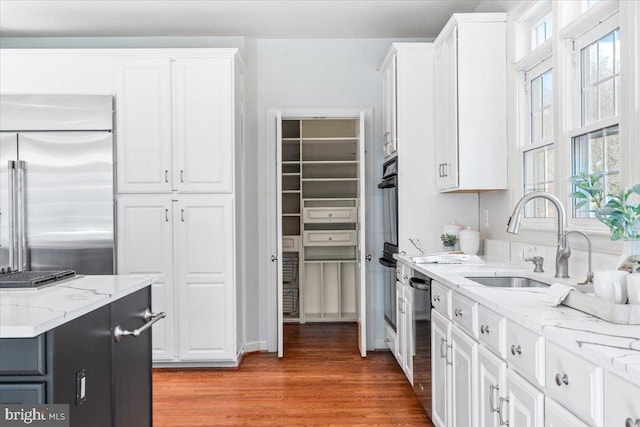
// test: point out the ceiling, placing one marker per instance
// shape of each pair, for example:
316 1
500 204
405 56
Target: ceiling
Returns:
219 18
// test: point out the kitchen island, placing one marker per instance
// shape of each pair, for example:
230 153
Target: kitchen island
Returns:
57 346
553 365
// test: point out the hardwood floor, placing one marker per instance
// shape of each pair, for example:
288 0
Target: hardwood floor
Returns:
321 381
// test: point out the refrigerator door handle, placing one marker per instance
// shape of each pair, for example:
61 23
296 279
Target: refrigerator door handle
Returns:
20 211
13 202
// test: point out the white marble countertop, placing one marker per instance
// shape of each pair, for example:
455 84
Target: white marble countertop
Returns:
31 312
614 347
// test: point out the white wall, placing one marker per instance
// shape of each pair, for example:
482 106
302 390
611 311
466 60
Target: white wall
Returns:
315 73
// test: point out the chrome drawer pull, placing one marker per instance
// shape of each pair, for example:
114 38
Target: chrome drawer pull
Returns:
436 298
330 238
484 329
458 312
515 350
500 411
493 388
562 379
443 346
149 317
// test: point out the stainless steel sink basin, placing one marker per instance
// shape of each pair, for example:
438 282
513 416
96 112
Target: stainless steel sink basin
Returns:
509 282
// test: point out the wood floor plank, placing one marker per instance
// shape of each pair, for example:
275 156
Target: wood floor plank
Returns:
321 381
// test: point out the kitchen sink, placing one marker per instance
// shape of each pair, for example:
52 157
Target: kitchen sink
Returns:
509 282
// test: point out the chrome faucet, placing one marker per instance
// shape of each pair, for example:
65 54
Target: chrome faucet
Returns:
563 252
589 278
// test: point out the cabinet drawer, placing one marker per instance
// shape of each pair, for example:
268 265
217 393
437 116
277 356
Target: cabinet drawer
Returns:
332 214
491 328
403 273
525 352
22 356
441 298
575 383
329 238
390 338
290 243
465 313
622 402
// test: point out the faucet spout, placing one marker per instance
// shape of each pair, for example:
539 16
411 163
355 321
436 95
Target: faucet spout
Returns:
563 252
589 278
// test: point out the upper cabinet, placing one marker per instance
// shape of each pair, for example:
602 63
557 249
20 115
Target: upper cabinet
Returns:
175 120
389 110
471 96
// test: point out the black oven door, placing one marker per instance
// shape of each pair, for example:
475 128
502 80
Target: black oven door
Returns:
389 187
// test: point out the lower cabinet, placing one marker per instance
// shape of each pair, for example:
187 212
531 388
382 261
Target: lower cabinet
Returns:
188 245
104 382
404 327
492 376
557 416
464 357
622 407
524 404
440 369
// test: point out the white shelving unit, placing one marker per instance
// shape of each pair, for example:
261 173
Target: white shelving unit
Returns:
320 176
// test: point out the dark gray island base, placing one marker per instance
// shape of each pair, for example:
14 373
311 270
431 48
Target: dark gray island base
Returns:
79 363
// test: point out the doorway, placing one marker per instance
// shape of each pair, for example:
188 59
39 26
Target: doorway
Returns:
321 273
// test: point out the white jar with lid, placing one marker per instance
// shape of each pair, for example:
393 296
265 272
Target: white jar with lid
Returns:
469 241
452 228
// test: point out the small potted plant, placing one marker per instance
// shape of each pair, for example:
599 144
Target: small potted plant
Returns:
448 241
619 211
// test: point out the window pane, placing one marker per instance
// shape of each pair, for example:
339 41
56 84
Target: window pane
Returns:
600 69
541 89
547 88
538 176
547 123
597 152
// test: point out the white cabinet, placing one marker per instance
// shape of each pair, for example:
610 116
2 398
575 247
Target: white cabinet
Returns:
145 247
557 416
492 372
440 369
470 94
524 405
175 124
622 402
188 245
464 355
389 111
404 329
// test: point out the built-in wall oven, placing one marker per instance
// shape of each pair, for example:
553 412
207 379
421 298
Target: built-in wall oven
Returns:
389 187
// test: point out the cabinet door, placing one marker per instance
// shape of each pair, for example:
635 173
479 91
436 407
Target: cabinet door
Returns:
389 108
143 107
440 369
145 247
401 340
463 379
524 404
622 404
557 416
409 351
205 262
446 95
204 131
131 365
492 372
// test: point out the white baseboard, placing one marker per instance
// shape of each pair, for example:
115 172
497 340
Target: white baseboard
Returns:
252 347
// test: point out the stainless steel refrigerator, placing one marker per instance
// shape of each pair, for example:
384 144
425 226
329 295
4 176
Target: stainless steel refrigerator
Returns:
57 183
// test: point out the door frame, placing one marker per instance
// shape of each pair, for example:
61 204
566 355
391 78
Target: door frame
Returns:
271 233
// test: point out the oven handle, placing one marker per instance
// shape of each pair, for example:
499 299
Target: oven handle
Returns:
388 183
419 283
387 263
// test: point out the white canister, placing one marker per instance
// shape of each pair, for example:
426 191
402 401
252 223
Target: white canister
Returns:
469 241
452 228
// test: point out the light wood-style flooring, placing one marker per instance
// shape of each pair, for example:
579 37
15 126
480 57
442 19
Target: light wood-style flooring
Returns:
321 381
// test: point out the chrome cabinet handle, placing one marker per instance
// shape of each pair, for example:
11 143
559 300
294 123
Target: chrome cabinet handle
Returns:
493 388
149 317
166 215
562 379
444 170
274 258
181 175
443 346
629 422
330 238
515 350
368 257
436 298
166 175
182 215
484 329
330 215
458 312
500 411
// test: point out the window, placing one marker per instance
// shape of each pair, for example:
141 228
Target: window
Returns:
538 150
595 146
542 31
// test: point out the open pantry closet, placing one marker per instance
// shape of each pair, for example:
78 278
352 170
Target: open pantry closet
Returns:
320 193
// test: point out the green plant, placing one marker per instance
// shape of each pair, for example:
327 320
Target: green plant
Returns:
448 239
616 210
